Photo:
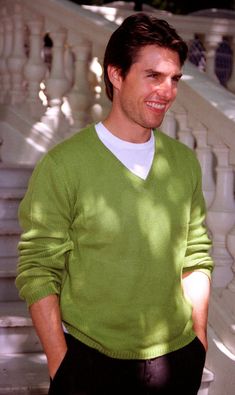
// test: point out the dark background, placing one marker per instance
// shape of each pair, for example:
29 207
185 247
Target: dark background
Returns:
176 6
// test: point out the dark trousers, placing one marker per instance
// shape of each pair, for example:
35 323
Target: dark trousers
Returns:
85 371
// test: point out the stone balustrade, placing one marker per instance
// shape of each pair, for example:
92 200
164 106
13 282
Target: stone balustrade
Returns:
209 39
205 117
55 98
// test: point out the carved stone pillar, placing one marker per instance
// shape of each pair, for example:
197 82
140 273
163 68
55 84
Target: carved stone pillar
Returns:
80 97
229 293
184 131
231 82
169 124
17 58
231 248
56 87
103 104
221 217
205 157
1 50
57 83
95 79
1 143
69 60
7 48
211 42
222 305
35 68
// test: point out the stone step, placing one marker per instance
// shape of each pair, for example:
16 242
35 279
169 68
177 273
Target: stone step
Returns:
207 378
8 291
9 244
9 202
14 176
9 226
17 334
9 237
23 374
8 265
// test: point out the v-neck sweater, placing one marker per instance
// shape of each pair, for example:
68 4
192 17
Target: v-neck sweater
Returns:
114 246
137 158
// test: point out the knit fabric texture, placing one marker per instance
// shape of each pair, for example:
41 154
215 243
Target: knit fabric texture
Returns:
114 246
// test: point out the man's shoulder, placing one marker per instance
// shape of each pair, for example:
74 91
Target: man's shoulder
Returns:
74 145
175 147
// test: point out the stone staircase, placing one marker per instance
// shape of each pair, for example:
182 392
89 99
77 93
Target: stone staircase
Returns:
23 369
22 364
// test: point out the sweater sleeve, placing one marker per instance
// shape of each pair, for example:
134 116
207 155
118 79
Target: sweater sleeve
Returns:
197 256
45 218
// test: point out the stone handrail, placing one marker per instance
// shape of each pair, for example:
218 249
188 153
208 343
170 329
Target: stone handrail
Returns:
45 102
203 117
211 32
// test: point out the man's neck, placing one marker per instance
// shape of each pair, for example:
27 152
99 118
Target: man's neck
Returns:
127 132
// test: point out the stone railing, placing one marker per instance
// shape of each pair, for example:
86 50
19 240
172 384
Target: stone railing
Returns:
50 88
57 97
211 40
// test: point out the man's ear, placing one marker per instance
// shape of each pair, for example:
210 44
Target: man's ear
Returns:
114 76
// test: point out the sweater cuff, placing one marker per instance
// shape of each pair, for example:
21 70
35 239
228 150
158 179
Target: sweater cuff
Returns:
40 294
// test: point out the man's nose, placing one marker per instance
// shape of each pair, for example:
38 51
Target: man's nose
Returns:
165 89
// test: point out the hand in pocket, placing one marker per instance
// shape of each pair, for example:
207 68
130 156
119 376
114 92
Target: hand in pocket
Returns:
56 363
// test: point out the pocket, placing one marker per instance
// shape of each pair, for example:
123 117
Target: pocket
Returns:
200 344
59 373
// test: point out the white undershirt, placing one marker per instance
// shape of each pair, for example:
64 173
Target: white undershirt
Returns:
137 158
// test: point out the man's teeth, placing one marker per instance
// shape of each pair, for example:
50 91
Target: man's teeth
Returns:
156 105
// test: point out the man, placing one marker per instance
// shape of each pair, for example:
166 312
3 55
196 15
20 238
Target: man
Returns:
114 257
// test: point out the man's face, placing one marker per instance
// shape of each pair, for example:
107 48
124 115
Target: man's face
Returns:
149 88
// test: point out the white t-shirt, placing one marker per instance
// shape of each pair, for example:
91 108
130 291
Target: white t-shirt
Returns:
137 158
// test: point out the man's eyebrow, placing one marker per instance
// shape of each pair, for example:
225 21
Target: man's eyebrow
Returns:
178 75
151 71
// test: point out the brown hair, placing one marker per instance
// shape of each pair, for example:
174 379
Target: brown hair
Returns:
135 32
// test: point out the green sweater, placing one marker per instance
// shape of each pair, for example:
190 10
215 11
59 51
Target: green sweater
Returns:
114 246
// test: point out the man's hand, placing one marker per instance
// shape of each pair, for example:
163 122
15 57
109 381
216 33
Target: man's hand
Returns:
202 336
54 362
47 321
196 286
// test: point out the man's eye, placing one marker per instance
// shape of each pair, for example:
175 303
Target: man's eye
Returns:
153 75
176 79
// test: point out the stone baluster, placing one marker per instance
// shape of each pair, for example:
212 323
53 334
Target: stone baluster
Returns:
222 306
169 124
1 143
80 97
57 86
205 157
95 78
69 67
231 82
184 131
35 68
17 58
103 104
231 248
221 216
1 50
69 61
1 37
211 43
7 48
